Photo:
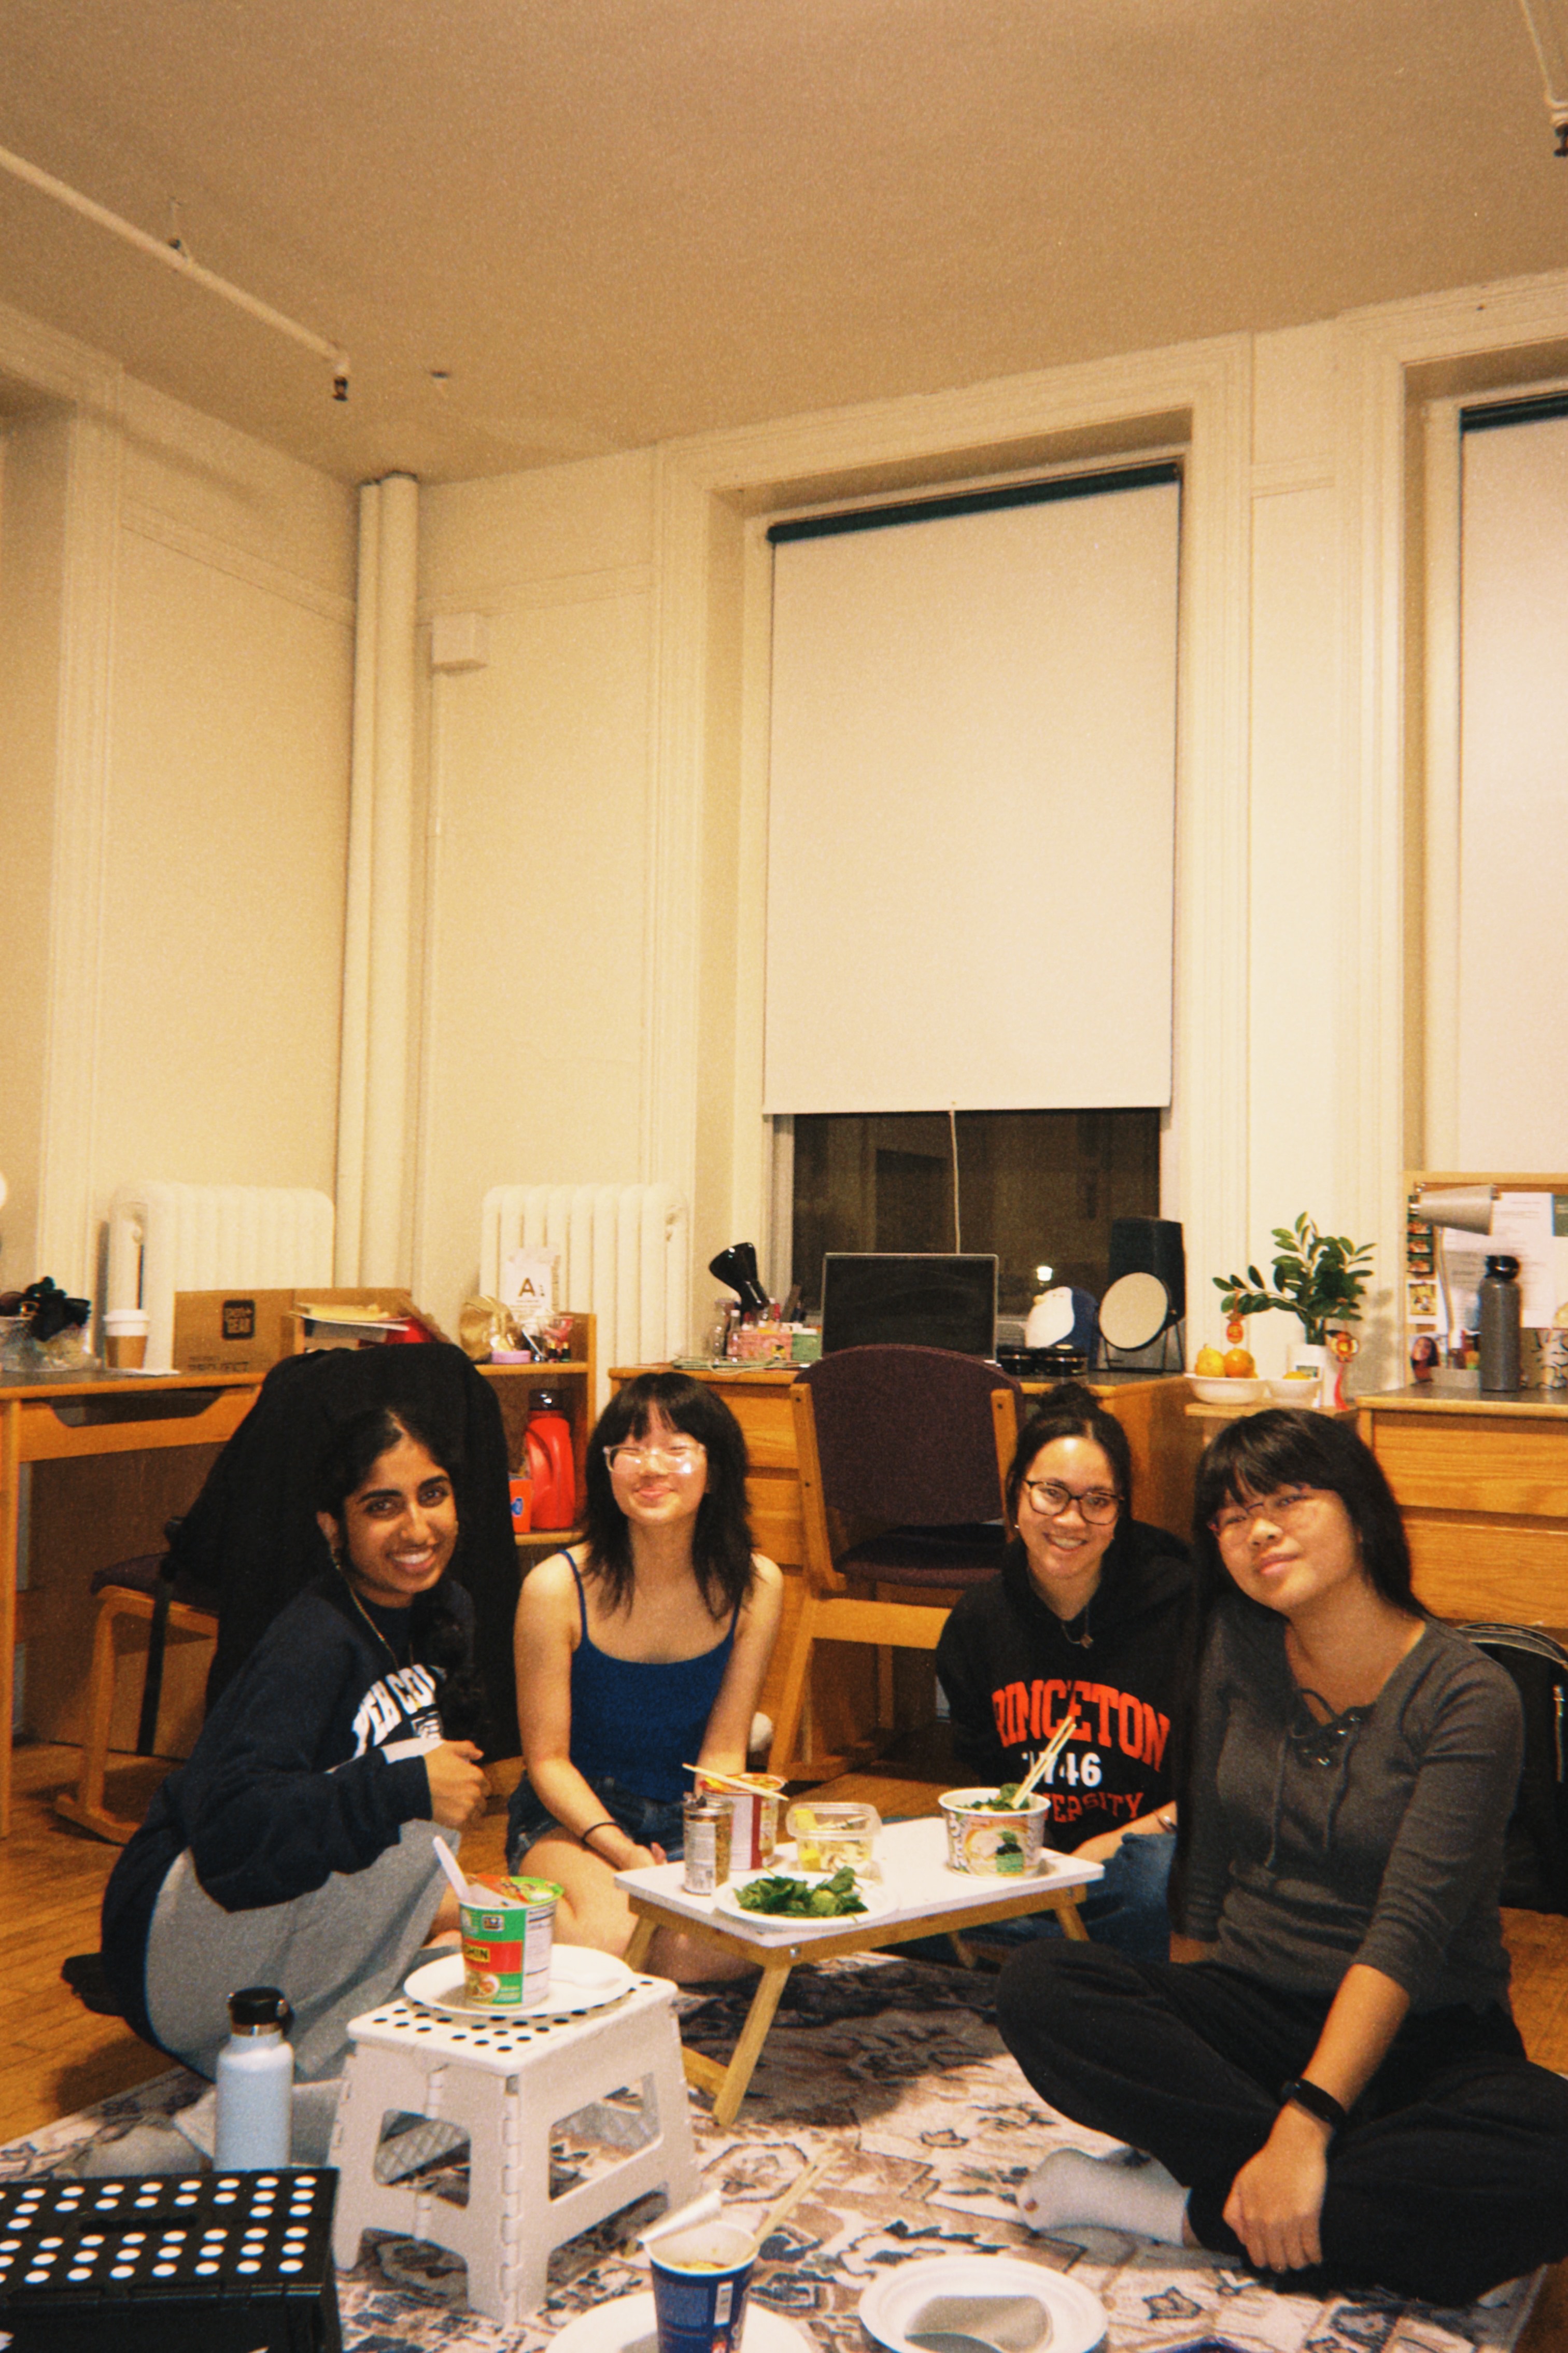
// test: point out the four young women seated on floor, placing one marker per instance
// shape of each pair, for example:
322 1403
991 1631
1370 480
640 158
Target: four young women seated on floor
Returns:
1322 2078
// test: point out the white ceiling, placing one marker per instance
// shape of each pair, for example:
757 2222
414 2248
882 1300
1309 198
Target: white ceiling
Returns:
614 221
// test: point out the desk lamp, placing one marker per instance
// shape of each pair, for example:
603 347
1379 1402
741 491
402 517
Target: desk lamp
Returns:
1463 1209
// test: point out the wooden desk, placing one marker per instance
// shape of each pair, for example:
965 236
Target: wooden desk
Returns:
1150 1407
58 1417
144 1445
1483 1484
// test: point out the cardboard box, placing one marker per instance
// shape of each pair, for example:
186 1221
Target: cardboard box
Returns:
241 1331
235 1331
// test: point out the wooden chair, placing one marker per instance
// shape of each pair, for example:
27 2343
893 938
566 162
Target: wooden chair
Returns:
139 1592
902 1455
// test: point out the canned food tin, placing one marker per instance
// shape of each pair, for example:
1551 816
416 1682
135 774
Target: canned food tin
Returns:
707 1845
752 1801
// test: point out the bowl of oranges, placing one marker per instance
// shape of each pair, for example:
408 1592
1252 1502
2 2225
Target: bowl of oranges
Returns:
1228 1379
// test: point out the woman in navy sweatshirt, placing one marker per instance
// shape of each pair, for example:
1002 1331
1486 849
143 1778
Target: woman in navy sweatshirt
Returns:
295 1847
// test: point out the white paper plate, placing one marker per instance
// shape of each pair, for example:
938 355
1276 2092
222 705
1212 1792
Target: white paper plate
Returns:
580 1979
627 2326
728 1899
1078 2318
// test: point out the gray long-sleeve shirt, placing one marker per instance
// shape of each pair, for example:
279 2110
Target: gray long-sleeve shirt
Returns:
1378 1838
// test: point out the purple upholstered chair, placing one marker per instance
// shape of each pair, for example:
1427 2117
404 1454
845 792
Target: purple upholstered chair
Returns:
902 1454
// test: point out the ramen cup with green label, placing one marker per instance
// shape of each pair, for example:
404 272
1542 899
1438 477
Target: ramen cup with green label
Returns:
506 1936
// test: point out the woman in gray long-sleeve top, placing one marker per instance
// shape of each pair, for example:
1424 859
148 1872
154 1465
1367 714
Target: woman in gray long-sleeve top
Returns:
1326 2075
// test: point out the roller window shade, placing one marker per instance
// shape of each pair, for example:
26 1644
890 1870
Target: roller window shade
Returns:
1513 799
971 806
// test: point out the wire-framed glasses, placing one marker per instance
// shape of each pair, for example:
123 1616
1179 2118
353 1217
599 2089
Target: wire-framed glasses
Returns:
1281 1510
682 1456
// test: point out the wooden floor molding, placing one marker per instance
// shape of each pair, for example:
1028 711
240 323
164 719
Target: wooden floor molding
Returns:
56 2056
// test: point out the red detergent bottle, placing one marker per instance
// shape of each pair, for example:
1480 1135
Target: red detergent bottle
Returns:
550 1464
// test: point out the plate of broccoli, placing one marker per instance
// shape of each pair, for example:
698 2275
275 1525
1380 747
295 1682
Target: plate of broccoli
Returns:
807 1899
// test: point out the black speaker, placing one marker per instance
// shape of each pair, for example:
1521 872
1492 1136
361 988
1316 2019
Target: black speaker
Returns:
1151 1246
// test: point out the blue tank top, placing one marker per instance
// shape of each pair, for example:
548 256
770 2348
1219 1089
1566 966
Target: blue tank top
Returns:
636 1721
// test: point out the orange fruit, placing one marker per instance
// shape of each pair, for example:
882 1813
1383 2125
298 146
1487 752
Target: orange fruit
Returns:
1238 1365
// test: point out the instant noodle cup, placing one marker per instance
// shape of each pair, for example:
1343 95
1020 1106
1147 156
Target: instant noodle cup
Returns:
753 1799
699 2281
507 1937
981 1840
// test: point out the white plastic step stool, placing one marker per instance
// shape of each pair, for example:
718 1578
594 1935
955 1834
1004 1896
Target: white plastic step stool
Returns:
507 2085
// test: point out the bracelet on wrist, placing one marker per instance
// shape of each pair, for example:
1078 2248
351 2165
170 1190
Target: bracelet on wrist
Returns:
583 1836
1301 2093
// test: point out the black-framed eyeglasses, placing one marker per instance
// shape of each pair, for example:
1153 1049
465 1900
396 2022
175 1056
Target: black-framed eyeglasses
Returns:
1051 1499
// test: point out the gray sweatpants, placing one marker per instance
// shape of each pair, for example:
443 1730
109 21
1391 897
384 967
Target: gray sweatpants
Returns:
336 1952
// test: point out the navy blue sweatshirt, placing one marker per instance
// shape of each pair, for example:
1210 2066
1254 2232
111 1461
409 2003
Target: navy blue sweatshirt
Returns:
309 1764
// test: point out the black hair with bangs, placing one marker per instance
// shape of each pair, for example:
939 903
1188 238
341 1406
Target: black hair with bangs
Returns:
721 1536
1286 1447
1071 1410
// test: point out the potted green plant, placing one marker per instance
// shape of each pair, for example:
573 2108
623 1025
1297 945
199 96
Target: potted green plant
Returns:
1320 1278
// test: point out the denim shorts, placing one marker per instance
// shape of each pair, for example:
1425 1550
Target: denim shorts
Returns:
651 1822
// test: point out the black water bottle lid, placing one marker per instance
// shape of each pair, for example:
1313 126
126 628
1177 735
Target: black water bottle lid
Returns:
1504 1268
254 2008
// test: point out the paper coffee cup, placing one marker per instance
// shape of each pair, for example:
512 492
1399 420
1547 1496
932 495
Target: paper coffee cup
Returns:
507 1940
699 2281
125 1337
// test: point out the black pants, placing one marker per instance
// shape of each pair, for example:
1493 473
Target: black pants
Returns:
1451 2176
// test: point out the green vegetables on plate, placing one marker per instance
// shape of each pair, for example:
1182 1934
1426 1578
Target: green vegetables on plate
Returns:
797 1899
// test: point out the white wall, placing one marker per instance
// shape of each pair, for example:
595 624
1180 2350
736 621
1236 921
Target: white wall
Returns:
540 820
35 453
173 991
588 966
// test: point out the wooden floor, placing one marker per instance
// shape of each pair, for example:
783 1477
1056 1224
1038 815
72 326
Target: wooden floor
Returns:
56 2056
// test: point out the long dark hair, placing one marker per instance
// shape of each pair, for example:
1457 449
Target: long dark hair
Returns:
438 1638
1069 1410
1287 1447
720 1536
1254 1457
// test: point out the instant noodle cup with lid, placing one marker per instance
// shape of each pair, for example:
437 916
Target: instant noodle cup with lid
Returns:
507 1936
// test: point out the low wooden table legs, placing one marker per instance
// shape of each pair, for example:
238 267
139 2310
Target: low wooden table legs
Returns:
728 2085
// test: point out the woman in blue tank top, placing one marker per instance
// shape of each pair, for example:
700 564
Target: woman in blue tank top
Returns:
639 1652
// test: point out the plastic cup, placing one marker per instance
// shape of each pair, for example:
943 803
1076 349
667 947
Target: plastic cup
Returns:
125 1338
833 1832
699 2281
507 1940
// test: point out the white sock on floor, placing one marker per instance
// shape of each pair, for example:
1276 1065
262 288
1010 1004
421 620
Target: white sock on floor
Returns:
1118 2193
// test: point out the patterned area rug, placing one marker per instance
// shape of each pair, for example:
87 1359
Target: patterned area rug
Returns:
896 2067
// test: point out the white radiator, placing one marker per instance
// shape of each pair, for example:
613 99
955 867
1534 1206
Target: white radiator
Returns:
169 1237
625 1253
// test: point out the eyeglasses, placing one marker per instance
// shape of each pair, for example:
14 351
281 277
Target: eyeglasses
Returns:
681 1456
1282 1511
1051 1499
